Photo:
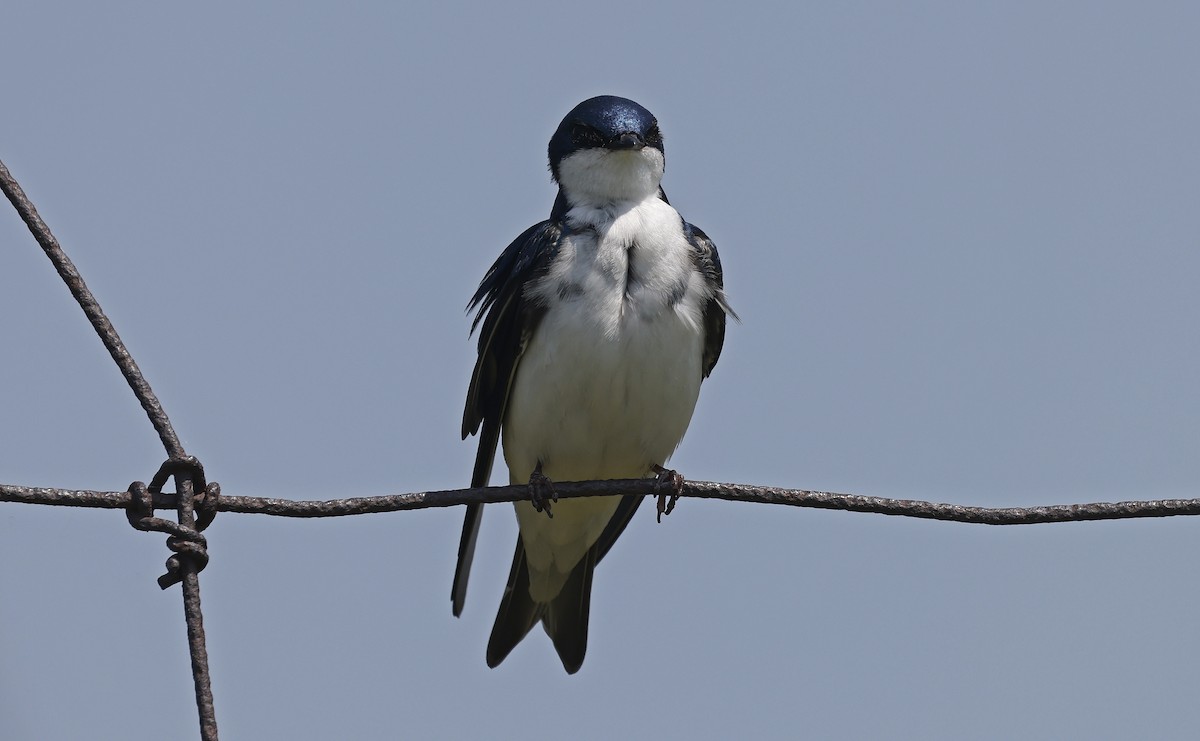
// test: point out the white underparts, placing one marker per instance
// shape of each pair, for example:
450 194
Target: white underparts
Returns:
608 381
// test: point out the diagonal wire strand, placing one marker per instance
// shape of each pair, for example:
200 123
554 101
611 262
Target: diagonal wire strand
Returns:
104 328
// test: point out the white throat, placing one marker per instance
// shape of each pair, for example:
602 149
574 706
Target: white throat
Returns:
598 177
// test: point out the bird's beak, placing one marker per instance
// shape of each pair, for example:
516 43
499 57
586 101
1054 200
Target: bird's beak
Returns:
629 140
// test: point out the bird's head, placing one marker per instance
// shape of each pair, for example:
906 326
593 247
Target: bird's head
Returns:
607 149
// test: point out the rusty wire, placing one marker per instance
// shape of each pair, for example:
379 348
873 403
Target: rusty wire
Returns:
185 539
91 307
568 490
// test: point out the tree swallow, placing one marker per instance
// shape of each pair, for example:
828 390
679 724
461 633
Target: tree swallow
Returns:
598 326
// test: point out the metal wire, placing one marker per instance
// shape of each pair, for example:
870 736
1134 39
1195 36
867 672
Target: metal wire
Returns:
185 539
91 307
568 490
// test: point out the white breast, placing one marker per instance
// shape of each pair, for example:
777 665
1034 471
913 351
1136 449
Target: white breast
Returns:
609 380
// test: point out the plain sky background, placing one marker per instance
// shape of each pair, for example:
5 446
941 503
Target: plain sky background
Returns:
964 239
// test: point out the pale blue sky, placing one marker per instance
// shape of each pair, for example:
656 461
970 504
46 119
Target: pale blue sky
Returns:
964 241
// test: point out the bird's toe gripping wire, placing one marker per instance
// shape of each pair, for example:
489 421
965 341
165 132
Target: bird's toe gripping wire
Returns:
666 500
541 491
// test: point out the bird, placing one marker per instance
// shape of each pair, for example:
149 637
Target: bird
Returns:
596 328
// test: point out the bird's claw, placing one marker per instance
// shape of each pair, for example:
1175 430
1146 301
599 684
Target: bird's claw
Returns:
541 492
667 500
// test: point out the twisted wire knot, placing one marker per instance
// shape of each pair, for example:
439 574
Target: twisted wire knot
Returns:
186 541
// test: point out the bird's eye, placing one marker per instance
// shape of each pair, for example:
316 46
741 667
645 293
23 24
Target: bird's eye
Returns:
654 137
585 136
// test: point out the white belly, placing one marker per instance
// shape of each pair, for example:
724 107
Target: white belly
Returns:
590 403
607 384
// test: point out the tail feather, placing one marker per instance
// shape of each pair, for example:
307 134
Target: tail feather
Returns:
518 612
566 616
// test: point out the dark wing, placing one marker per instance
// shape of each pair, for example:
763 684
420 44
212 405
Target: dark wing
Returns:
507 321
708 262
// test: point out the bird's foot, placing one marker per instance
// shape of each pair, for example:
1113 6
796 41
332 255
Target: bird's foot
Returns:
541 491
666 501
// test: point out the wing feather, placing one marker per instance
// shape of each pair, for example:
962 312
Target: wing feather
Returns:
706 259
505 320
